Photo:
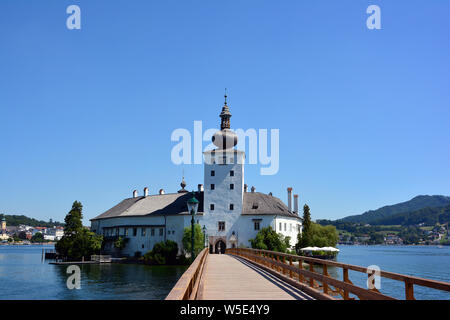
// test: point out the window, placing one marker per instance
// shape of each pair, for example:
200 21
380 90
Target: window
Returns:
213 173
285 226
212 186
142 246
256 225
211 206
280 227
231 206
221 225
232 173
161 231
143 232
152 232
134 232
232 186
126 231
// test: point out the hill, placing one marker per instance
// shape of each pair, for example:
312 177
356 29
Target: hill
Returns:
413 205
428 216
15 220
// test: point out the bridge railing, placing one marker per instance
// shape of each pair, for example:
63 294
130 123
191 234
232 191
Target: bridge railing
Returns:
284 263
187 286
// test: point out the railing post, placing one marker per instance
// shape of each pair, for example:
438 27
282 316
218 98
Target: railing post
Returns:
290 270
324 284
300 266
346 279
409 290
283 270
311 280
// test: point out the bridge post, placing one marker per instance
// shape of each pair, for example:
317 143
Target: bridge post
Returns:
290 271
346 279
324 284
283 270
300 276
311 280
409 290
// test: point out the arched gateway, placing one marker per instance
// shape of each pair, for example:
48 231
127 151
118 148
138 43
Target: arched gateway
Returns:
220 247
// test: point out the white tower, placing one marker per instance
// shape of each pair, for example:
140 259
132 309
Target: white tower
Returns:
223 186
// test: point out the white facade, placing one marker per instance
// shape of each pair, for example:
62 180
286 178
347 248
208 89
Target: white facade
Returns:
224 188
231 215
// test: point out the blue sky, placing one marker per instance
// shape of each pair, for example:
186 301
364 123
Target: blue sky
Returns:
87 114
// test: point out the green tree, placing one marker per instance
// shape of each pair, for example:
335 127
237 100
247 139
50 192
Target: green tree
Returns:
73 219
198 239
120 243
77 242
323 236
304 239
22 235
162 253
314 234
38 237
269 239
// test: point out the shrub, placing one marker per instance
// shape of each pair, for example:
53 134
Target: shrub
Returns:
162 253
269 239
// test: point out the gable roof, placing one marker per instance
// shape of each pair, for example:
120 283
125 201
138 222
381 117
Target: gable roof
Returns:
258 203
255 203
160 204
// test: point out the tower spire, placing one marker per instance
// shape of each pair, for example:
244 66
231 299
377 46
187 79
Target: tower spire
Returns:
225 138
225 115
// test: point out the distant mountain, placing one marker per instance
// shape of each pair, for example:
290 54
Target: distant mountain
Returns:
15 220
429 216
415 204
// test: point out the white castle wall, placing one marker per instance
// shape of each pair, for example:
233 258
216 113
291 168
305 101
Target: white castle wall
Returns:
222 196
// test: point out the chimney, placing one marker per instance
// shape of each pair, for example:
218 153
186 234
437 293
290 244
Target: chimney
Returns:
289 190
161 191
296 203
200 187
145 192
135 194
245 187
253 189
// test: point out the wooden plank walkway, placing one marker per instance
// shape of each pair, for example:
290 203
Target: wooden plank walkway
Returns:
227 277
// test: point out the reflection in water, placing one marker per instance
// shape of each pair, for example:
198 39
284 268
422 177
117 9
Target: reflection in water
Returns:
25 276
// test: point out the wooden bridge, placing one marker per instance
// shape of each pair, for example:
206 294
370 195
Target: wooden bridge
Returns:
252 274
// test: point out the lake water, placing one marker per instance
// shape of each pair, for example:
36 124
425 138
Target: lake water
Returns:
24 276
430 262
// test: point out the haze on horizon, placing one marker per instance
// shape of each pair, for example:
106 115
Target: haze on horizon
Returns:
87 114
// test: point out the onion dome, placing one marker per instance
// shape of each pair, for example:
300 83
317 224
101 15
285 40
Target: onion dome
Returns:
225 138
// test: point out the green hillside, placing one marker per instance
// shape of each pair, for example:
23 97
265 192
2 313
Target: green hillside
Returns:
15 220
428 216
413 205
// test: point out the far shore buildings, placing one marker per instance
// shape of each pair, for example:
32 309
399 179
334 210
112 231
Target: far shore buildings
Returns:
228 212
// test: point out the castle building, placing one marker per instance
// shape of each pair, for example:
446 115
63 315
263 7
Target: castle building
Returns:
229 214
